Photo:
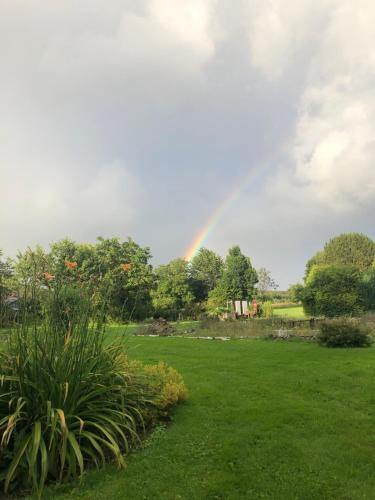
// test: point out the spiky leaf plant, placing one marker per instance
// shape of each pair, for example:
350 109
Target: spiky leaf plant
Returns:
66 399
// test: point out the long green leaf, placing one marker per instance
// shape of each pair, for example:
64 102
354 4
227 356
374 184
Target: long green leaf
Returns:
16 460
75 446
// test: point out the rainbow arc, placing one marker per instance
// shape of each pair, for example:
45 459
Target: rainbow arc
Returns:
216 215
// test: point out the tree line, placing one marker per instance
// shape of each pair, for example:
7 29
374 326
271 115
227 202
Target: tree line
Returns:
123 276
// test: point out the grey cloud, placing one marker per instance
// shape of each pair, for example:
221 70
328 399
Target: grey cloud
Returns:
139 117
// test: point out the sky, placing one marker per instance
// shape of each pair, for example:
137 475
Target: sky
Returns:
188 122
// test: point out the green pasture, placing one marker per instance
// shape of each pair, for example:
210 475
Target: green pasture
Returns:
296 312
264 420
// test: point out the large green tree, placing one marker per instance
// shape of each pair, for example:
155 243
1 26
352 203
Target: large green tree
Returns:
333 290
239 277
352 249
173 292
368 289
120 271
206 269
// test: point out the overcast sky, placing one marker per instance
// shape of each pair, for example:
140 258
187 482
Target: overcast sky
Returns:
140 117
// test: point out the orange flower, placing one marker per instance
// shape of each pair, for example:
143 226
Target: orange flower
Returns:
48 276
126 267
70 265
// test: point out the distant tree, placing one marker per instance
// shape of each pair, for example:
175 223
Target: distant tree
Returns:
6 271
6 274
217 300
127 276
239 277
84 254
119 270
206 269
368 289
265 281
31 264
173 291
313 261
352 249
333 290
295 292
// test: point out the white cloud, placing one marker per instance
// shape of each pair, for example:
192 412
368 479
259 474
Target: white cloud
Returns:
188 21
334 149
280 30
332 154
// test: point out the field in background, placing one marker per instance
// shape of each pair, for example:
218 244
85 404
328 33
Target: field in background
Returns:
273 420
290 312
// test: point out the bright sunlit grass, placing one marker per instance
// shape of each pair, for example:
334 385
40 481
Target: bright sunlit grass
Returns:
290 312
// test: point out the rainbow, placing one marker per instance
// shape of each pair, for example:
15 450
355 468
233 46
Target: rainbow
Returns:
216 215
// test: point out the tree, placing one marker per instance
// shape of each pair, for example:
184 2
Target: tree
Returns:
173 291
119 271
127 277
239 277
217 301
295 292
368 289
206 269
333 290
30 265
265 281
6 273
352 249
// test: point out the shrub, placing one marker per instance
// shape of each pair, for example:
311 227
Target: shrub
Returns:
67 400
368 289
165 382
267 309
333 290
344 332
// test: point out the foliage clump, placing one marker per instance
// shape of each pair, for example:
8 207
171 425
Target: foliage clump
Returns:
67 399
173 291
267 309
340 279
348 249
333 290
206 270
344 332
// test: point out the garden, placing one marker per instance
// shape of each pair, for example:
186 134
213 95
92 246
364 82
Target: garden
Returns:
120 380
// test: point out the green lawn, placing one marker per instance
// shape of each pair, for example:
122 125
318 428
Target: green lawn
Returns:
290 312
264 419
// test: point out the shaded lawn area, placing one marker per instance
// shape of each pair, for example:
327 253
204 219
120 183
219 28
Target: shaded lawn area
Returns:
272 420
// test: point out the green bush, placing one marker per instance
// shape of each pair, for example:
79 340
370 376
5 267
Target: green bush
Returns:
344 332
333 290
68 401
267 309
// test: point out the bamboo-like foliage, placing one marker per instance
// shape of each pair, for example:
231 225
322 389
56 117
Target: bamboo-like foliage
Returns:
66 399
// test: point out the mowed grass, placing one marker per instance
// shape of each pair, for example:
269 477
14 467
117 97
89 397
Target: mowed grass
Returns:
264 420
296 312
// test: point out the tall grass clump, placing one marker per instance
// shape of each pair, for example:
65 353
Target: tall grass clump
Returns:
68 400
